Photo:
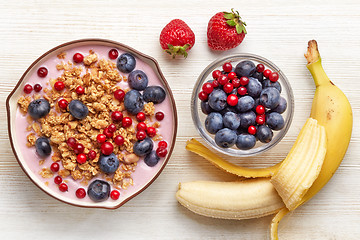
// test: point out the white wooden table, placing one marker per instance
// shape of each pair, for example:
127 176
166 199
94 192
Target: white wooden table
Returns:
277 30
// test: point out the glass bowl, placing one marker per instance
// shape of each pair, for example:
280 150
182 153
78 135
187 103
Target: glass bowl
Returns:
199 117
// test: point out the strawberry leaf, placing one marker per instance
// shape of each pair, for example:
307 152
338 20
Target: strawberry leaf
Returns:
228 15
231 22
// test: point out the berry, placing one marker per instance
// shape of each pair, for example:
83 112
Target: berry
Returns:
252 130
162 144
111 128
42 72
270 97
223 79
119 140
133 101
151 159
37 87
227 67
231 120
214 122
59 85
71 142
54 167
203 96
159 116
63 104
177 38
78 110
78 148
108 163
141 135
57 180
215 83
99 190
275 121
116 116
140 117
205 108
107 133
225 30
236 83
43 148
245 104
115 194
81 158
119 94
245 68
63 187
141 126
258 76
92 155
232 100
80 90
144 147
161 152
244 81
101 138
78 57
282 106
245 141
242 91
274 77
267 73
155 94
254 87
138 80
232 75
207 88
228 88
126 122
260 109
225 138
267 83
264 134
126 63
260 119
151 131
107 148
216 74
260 68
39 108
247 119
80 193
28 89
217 99
113 54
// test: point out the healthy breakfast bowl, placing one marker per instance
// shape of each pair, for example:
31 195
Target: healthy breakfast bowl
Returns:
92 122
242 105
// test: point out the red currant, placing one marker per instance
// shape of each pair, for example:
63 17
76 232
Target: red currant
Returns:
161 152
113 54
252 130
54 167
112 128
203 96
207 88
42 72
117 116
231 75
79 148
215 83
141 126
80 193
107 133
119 94
71 142
126 122
92 155
37 87
267 73
159 116
107 148
242 91
141 135
63 187
216 74
162 144
81 158
274 77
260 119
232 100
151 131
260 109
115 194
59 85
63 104
119 140
228 88
80 90
140 117
78 57
57 180
244 81
227 67
28 89
101 138
223 80
260 68
236 83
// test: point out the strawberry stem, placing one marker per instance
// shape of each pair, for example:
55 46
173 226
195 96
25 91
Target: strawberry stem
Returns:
234 20
177 50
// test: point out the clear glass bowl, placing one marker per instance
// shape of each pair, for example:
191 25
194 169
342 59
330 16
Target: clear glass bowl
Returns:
199 117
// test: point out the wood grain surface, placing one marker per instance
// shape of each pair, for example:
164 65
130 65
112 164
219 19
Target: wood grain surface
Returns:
277 30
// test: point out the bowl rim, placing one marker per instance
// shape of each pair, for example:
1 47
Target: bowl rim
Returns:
122 46
196 113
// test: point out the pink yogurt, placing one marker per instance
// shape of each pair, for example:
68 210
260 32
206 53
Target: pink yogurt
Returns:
143 173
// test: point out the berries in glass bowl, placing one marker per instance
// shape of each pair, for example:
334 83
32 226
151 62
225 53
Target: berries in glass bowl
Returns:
245 112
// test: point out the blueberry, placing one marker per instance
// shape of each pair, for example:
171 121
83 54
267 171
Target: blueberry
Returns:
78 110
231 120
247 119
275 121
217 99
99 190
245 68
154 94
282 106
258 76
39 108
151 159
245 104
138 80
228 109
108 163
257 103
133 101
264 134
269 97
126 62
245 141
267 83
43 147
254 87
214 122
225 138
205 107
144 147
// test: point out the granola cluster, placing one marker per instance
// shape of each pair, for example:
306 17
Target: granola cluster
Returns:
100 82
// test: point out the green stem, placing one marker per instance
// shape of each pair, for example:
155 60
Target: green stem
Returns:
318 73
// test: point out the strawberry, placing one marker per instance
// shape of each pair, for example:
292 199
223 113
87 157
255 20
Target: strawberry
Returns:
225 30
177 38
